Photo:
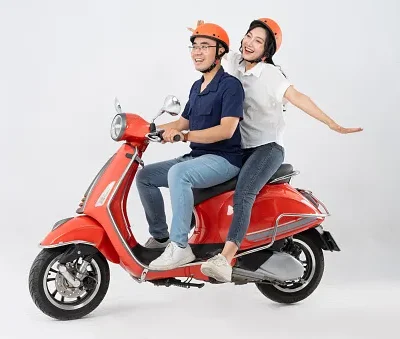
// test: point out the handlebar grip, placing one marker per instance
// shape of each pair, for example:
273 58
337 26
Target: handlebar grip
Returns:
160 133
177 137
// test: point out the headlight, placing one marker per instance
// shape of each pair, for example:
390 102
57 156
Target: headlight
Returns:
118 127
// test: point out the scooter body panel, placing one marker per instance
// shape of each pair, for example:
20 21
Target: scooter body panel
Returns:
81 229
107 204
214 216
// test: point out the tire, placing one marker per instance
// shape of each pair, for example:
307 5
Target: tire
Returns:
295 292
90 295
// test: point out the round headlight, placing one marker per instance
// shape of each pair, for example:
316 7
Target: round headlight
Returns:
118 127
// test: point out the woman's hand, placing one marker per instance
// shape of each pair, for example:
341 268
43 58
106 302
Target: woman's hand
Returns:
335 127
199 22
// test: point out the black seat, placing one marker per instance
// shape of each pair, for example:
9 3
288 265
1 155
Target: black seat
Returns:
202 194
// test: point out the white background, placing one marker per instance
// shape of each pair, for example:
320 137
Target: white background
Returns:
62 64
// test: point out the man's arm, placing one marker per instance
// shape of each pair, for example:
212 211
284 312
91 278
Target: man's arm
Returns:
223 131
181 124
232 112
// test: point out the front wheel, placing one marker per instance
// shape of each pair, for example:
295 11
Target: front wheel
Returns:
56 297
312 258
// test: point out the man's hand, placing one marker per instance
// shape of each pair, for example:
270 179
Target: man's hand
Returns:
169 134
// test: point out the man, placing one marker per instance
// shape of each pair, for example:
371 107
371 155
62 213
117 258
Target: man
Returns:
212 115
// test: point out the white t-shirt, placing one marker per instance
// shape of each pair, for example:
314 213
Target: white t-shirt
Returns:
264 87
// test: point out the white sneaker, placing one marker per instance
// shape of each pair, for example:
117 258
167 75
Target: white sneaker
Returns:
218 268
153 243
173 257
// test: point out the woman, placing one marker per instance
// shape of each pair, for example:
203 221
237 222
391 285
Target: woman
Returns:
267 90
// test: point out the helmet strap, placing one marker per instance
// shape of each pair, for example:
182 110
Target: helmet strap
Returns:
217 57
209 69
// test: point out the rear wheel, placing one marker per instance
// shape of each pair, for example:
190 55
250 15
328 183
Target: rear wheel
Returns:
312 258
55 296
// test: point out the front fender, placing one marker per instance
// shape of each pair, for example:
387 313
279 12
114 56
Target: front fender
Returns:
80 229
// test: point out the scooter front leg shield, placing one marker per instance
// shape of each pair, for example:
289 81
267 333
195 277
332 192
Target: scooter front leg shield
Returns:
81 229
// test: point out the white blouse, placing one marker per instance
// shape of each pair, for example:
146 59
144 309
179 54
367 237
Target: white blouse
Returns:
264 87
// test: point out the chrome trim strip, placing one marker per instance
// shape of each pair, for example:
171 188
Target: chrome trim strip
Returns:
89 191
140 162
267 229
285 177
127 248
275 230
74 242
282 229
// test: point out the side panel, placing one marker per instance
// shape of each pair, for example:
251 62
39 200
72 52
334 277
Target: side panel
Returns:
107 204
214 216
81 229
272 201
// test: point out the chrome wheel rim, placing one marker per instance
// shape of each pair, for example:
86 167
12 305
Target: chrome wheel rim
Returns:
308 263
59 293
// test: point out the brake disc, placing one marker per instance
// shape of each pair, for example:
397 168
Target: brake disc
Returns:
65 289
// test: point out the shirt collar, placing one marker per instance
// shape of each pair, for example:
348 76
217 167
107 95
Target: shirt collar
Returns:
256 70
213 85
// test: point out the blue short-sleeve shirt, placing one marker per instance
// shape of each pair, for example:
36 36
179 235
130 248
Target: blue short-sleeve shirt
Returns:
223 97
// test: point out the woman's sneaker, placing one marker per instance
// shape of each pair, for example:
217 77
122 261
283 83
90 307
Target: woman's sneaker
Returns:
218 268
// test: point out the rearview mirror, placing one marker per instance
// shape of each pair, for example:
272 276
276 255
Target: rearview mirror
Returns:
171 106
117 106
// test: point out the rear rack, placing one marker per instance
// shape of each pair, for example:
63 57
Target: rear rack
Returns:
287 176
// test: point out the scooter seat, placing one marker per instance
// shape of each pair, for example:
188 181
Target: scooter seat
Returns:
202 194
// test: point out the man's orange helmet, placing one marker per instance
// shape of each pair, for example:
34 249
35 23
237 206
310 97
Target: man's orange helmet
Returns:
212 31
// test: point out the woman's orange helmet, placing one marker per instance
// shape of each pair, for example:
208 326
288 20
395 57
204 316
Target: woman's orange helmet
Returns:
212 31
274 28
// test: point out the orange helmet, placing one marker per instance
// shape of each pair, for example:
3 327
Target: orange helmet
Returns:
273 27
212 31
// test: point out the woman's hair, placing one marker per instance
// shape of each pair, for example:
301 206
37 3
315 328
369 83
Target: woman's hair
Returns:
269 46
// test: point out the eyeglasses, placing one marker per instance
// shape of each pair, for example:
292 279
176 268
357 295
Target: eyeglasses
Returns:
202 48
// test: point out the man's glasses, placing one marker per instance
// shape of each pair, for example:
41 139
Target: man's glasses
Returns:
202 48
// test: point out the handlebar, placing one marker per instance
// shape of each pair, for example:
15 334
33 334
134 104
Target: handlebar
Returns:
156 136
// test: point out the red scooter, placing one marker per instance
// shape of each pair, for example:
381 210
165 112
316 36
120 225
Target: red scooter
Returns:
281 253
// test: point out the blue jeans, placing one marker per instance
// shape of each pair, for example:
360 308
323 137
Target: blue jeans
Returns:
180 175
260 164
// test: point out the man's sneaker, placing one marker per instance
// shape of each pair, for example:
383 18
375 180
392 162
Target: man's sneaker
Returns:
173 257
153 243
218 268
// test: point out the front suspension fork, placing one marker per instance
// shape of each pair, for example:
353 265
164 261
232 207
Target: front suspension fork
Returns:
75 252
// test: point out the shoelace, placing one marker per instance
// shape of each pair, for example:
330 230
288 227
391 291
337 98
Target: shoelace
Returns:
219 261
169 250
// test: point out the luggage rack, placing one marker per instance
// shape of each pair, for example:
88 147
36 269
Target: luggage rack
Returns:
287 176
